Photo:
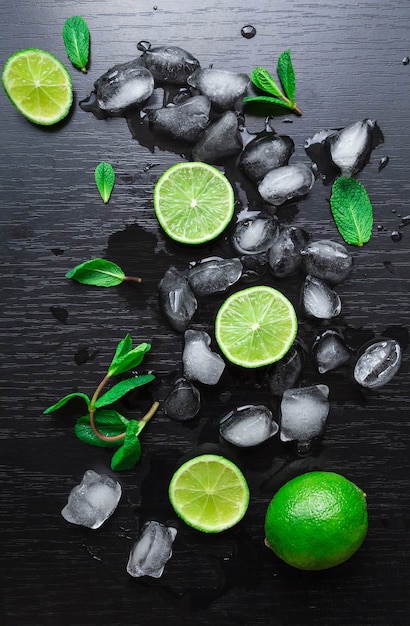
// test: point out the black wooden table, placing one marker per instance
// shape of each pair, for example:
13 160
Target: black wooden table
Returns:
58 336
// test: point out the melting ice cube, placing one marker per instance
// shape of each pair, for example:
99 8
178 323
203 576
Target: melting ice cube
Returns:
184 121
378 364
183 402
327 260
177 299
151 551
93 501
168 63
284 253
319 300
304 412
214 275
200 363
285 373
288 182
223 88
330 351
248 426
264 153
123 86
255 234
219 141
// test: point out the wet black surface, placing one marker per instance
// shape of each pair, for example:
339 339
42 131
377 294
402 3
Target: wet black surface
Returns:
59 336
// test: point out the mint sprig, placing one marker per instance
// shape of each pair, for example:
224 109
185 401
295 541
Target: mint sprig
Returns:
100 273
104 179
352 210
106 427
76 37
264 81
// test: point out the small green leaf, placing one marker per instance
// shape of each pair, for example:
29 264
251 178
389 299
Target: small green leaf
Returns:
269 100
352 210
286 75
120 389
110 423
66 399
97 272
104 178
263 80
123 347
76 37
130 360
130 452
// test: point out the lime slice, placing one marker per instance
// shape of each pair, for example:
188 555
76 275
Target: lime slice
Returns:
194 202
209 493
256 326
38 85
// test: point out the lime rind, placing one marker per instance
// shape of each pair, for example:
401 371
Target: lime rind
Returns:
193 202
209 493
38 85
256 326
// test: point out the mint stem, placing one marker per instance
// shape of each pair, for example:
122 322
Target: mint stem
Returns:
143 421
135 279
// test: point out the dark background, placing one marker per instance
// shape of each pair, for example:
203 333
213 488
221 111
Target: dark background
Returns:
59 336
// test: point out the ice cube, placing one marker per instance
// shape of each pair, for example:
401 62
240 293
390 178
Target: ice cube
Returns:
264 153
330 351
123 86
219 141
169 64
200 363
285 183
184 121
223 88
93 501
327 260
255 234
378 364
177 299
319 300
183 402
351 147
285 373
214 275
284 253
152 550
254 266
304 411
248 426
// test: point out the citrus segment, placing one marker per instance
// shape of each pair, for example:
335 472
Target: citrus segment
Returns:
209 493
38 85
193 202
256 326
316 521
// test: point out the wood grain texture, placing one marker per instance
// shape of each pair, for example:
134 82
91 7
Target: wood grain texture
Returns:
348 60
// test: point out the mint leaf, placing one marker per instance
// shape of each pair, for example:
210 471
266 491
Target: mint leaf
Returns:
269 100
76 37
120 389
352 210
286 75
110 423
66 399
130 452
123 347
128 361
263 80
104 179
97 272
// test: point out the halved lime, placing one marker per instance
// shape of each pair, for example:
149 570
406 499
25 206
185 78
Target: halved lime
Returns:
194 202
256 326
38 85
209 493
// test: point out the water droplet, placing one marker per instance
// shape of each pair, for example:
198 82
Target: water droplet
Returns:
406 60
60 313
405 221
143 46
396 236
383 162
380 228
155 7
248 31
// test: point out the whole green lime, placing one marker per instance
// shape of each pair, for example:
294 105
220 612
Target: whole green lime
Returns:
316 521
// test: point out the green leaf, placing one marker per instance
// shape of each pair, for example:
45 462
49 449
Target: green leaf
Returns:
104 178
97 272
130 452
66 399
76 37
286 75
269 100
130 360
110 423
123 347
120 389
263 80
352 210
